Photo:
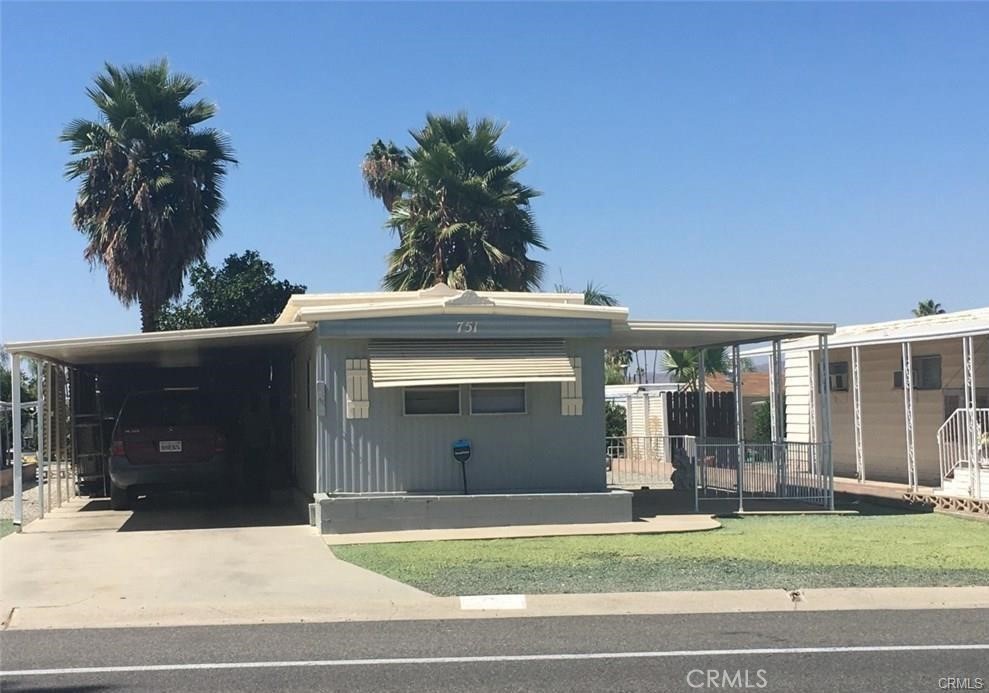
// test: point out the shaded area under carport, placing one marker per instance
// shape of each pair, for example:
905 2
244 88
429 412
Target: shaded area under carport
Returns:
247 373
179 510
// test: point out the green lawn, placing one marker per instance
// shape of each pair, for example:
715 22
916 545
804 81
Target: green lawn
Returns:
6 527
755 552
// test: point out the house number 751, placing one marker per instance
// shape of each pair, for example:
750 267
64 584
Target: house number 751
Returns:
467 326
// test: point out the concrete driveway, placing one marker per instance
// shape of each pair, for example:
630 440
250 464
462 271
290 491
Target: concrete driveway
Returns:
85 565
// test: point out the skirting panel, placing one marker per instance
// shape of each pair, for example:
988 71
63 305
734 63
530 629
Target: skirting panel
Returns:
344 514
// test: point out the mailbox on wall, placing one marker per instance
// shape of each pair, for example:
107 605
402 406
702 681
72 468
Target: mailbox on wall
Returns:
461 453
461 450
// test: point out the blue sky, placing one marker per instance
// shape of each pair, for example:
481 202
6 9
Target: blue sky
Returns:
804 162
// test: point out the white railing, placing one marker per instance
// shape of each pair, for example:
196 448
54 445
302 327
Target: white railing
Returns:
636 461
955 443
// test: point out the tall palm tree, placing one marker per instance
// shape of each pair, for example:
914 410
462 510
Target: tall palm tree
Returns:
150 182
461 215
684 367
378 168
928 307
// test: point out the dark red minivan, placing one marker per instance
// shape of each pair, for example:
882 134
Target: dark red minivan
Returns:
167 438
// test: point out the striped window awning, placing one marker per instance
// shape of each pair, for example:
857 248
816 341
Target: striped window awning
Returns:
409 363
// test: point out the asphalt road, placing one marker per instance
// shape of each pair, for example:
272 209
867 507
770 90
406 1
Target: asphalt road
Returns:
872 651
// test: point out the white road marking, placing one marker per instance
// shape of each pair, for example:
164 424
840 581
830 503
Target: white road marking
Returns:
492 601
490 659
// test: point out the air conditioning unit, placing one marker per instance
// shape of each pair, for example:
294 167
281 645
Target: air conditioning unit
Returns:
839 381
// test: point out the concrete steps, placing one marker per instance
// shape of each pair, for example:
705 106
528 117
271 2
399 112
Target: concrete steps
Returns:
958 483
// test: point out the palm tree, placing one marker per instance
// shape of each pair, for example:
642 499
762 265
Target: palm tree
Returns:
149 195
378 168
461 215
594 294
597 295
616 361
684 368
928 307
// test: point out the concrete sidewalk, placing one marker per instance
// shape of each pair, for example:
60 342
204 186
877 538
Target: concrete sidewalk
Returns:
427 607
662 524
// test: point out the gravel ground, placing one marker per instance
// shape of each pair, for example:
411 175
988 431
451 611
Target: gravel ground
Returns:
30 506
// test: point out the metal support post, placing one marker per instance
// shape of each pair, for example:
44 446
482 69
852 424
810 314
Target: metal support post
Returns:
59 402
40 413
972 427
776 414
736 364
908 417
15 416
700 450
72 453
857 414
826 424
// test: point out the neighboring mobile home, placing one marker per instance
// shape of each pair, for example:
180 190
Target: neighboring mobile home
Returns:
920 430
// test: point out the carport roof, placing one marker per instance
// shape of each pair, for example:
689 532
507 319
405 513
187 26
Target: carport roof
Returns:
176 347
657 334
302 312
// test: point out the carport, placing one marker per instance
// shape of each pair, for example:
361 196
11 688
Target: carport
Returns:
83 383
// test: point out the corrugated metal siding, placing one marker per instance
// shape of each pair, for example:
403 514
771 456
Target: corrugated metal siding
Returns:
636 423
796 377
389 452
403 363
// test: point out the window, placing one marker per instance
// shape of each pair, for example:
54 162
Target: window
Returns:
497 399
439 399
955 399
926 373
838 370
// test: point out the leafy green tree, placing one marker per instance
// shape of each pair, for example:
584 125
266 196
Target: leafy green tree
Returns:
460 213
150 181
614 420
243 291
763 424
29 380
683 365
928 307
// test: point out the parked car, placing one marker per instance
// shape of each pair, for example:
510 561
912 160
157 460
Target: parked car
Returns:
165 439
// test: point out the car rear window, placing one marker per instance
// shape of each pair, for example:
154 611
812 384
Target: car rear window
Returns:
167 409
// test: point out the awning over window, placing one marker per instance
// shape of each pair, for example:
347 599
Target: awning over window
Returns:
407 363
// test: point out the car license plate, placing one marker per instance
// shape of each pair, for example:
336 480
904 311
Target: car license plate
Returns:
169 446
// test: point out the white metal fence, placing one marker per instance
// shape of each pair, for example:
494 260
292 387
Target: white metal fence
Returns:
786 471
637 461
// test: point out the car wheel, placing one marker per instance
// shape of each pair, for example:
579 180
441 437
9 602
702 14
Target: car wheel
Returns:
119 498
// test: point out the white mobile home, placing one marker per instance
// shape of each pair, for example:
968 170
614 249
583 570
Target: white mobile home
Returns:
388 410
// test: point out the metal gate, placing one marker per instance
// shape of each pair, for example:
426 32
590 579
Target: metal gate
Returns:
786 471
